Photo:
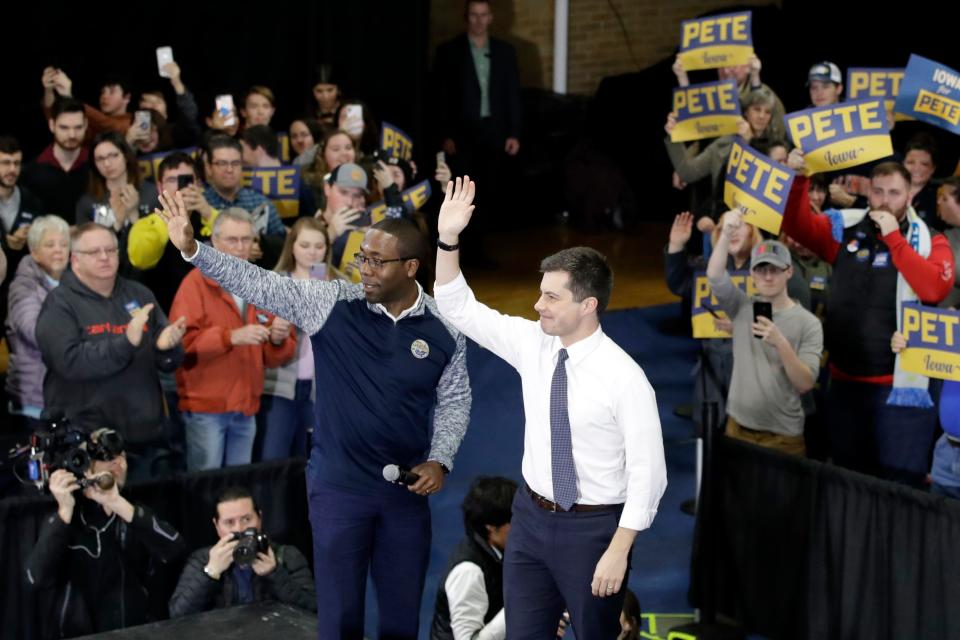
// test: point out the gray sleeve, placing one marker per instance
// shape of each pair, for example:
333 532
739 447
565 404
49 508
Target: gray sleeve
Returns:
452 413
729 296
696 168
305 303
810 348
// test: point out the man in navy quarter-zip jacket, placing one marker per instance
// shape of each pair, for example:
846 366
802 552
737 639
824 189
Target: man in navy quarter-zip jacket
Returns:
392 388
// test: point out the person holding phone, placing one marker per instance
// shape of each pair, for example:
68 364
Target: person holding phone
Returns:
777 345
286 413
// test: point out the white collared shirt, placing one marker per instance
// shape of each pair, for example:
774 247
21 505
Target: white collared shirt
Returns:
614 423
405 312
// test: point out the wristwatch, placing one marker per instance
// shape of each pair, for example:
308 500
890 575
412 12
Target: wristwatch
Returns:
447 247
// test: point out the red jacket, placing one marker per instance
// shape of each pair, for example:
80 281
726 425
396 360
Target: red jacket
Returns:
217 377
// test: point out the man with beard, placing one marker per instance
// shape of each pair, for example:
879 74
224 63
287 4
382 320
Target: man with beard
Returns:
114 100
95 553
59 174
880 419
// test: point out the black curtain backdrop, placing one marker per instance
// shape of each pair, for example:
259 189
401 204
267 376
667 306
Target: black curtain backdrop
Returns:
186 501
378 49
808 550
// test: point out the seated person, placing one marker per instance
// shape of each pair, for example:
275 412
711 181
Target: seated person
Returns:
94 554
470 601
216 577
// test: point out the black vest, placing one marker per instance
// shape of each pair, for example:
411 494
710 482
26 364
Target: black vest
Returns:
862 314
478 551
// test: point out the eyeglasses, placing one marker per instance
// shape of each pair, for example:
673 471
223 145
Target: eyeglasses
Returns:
223 164
375 263
107 252
235 240
768 270
108 156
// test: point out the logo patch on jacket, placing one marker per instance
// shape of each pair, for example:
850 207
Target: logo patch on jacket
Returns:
420 349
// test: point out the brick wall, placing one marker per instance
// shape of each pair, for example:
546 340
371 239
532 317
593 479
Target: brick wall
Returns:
597 46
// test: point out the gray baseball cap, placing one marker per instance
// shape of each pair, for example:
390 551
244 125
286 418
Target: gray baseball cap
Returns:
348 175
770 252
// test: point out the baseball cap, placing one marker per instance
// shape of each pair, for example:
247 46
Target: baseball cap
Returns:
770 252
825 72
348 175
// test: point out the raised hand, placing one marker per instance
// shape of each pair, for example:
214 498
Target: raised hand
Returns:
680 232
177 219
732 221
797 162
456 210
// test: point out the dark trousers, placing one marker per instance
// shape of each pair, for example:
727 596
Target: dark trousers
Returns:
870 436
282 424
389 536
548 567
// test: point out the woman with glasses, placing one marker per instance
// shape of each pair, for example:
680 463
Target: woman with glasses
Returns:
115 197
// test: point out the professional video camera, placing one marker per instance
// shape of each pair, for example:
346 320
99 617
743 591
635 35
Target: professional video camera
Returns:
251 542
65 446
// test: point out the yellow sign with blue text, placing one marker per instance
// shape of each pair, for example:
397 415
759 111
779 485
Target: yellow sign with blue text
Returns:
706 111
933 341
280 184
717 41
758 186
840 135
705 311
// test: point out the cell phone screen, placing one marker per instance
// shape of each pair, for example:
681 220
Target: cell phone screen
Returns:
184 181
762 309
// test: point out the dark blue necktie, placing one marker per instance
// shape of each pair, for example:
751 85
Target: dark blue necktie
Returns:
561 448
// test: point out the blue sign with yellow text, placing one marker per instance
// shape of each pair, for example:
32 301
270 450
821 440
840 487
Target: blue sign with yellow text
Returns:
864 83
149 164
280 184
933 341
416 196
705 310
717 41
395 141
706 111
930 92
840 135
757 185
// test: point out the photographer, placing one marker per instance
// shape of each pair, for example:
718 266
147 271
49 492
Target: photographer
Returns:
228 573
776 345
94 553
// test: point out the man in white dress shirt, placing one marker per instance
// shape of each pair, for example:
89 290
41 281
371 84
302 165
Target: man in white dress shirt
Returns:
593 461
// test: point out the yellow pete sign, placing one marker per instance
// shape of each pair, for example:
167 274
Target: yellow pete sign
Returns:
705 307
841 135
280 184
706 111
863 83
757 185
718 41
933 341
395 141
148 165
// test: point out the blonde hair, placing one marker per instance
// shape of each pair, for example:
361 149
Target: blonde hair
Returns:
752 240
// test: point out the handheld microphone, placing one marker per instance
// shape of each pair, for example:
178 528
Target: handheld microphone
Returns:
399 475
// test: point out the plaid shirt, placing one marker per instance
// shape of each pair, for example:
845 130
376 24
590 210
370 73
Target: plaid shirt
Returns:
249 200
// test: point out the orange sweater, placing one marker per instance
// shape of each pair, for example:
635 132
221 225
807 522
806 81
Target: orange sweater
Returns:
217 377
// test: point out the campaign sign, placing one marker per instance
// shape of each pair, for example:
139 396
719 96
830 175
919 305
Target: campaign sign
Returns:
149 164
933 341
718 41
284 141
864 83
416 196
706 308
706 111
840 135
757 185
930 92
395 141
280 184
